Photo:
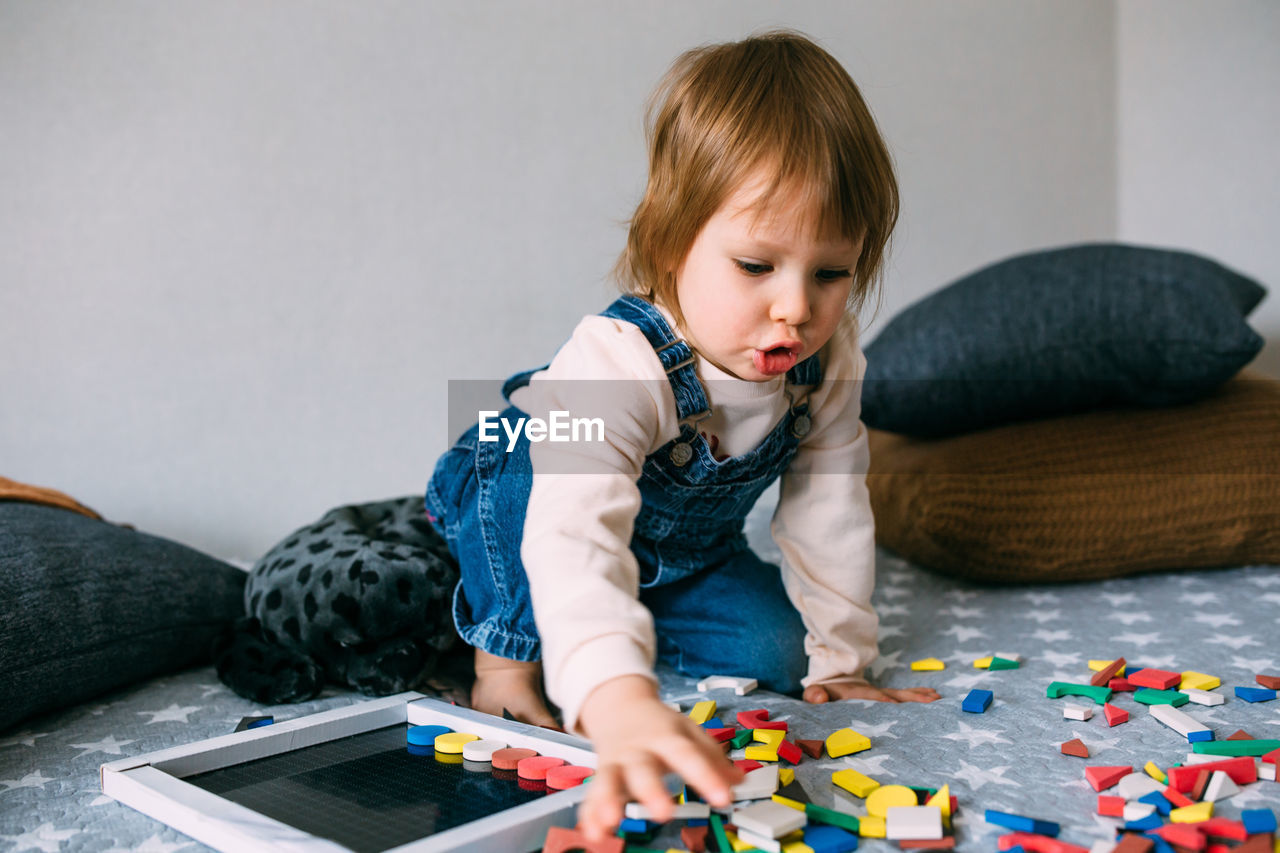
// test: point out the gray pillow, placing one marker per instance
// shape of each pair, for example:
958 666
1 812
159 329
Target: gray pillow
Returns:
1057 332
89 606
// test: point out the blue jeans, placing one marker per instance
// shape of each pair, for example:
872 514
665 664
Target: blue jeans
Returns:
718 609
729 618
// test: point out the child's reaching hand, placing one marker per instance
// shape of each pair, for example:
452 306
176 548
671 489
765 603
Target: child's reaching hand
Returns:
816 694
637 740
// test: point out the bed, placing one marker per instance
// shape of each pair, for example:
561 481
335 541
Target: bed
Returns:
1221 622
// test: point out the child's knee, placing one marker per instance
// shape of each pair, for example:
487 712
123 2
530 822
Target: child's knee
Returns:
778 659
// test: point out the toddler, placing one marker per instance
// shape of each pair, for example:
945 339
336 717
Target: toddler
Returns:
732 360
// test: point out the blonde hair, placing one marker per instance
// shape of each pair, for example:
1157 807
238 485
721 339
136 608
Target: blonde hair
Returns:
774 100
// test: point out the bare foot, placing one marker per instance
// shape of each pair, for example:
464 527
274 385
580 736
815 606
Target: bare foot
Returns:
513 685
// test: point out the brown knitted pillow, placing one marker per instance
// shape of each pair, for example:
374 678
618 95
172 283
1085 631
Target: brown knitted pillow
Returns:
1095 495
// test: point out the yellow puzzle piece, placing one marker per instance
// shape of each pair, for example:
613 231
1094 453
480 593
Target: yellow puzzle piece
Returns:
881 799
1199 681
942 800
871 826
928 665
703 711
1198 813
770 739
846 742
452 742
854 782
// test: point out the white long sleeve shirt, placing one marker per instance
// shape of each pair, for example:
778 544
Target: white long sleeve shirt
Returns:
583 577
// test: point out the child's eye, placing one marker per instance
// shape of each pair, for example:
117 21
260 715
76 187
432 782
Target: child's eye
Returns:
754 269
750 268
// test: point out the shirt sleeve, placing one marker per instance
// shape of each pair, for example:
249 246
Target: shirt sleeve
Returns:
583 577
824 527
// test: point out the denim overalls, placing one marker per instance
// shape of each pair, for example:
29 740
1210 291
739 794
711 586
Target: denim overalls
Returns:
718 608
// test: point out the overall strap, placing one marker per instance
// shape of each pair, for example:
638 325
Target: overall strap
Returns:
675 354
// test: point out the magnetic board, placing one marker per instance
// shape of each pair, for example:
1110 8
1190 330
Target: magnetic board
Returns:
345 780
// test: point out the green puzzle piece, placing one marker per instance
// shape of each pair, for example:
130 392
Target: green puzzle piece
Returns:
1002 663
1099 695
1147 696
1235 747
830 816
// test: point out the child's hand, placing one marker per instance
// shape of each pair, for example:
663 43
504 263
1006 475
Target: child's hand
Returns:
816 694
638 739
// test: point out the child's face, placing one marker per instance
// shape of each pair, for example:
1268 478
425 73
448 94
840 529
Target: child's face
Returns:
757 302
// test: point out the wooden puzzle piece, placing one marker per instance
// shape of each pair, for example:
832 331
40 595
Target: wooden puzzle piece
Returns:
854 782
509 758
1021 823
1151 696
769 819
846 742
882 798
482 750
535 767
451 743
740 686
1155 679
567 776
913 822
811 748
822 814
1203 697
1102 778
768 740
758 718
928 665
703 711
1108 672
1099 695
1199 681
977 702
1075 747
760 783
563 840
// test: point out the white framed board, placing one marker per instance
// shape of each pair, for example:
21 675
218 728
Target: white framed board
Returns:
344 780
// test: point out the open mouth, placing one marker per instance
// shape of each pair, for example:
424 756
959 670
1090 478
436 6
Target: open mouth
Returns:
776 360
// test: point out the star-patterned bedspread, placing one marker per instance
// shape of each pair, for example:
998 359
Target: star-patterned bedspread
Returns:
1220 622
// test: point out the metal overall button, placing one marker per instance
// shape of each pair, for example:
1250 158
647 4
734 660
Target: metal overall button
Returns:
801 426
681 453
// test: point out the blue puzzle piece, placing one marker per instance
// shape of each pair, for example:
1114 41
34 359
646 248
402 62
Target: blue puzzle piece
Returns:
714 723
1151 821
1195 737
1019 823
1255 694
977 701
635 825
1258 820
1157 799
426 735
822 838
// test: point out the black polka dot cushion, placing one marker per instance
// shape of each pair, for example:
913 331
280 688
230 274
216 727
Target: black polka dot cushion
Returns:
361 599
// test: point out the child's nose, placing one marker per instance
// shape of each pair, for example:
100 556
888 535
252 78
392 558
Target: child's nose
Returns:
791 304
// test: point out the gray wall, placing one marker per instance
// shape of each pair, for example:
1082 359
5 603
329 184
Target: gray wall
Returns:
243 246
1199 120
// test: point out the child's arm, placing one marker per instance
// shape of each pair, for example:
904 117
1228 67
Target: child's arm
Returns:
825 529
637 740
